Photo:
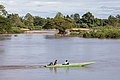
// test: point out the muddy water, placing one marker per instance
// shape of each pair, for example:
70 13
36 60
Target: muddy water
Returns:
40 49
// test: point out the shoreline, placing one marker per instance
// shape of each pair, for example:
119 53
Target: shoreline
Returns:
35 32
54 32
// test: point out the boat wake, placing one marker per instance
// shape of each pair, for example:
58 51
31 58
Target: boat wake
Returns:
21 67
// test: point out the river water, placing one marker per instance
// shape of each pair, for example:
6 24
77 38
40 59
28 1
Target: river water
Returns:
40 49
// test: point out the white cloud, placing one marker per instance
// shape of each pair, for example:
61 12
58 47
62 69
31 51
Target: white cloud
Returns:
99 8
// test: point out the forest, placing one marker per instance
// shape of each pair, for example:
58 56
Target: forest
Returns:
101 28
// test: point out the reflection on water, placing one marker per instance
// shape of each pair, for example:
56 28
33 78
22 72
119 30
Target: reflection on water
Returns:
55 70
39 49
5 37
52 37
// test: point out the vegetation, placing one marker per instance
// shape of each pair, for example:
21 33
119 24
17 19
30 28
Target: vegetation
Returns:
101 28
103 32
3 12
5 25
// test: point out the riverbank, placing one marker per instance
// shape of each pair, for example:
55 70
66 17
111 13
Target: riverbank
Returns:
41 32
102 33
51 31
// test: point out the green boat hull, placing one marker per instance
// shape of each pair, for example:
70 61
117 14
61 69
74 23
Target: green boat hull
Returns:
70 65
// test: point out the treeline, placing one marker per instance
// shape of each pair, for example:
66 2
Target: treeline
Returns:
12 23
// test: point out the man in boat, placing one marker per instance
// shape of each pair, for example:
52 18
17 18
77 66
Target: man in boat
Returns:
55 62
51 63
66 62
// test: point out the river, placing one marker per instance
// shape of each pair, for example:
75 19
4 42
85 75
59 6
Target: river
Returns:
40 49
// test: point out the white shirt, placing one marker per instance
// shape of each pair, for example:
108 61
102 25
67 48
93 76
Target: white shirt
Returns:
66 62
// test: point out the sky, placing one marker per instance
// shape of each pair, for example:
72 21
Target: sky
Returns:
49 8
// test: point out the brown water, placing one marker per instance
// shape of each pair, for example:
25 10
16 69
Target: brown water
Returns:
40 49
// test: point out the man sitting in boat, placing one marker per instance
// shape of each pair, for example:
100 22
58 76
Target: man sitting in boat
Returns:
55 62
51 63
66 62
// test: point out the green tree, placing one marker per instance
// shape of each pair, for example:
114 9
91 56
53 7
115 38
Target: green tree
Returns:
29 20
5 25
38 21
67 16
59 23
84 25
15 20
98 22
113 21
59 15
49 25
89 19
76 17
63 23
105 22
118 18
3 12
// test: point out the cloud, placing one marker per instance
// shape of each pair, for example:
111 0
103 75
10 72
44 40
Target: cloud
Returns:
100 8
110 8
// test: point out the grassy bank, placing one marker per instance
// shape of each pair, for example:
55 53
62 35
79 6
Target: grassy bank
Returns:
102 32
